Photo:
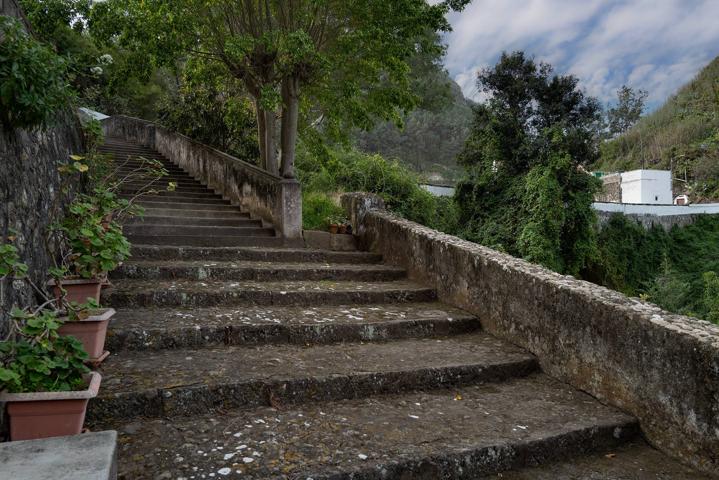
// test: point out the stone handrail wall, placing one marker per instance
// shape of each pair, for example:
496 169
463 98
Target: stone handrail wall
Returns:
273 199
660 367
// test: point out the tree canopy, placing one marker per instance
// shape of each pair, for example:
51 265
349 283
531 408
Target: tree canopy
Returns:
334 64
524 189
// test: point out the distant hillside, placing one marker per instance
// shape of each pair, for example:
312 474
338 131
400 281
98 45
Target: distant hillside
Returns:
682 135
431 138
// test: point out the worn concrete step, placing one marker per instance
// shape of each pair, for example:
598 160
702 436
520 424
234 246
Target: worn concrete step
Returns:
193 381
126 170
128 149
133 187
257 271
634 460
157 252
241 220
146 230
174 204
161 184
175 178
206 194
190 214
263 240
181 199
459 433
157 329
209 293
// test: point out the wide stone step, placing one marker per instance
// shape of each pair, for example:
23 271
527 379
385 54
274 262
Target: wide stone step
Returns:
260 240
206 194
256 271
634 460
133 187
197 230
241 220
175 204
174 178
209 293
458 433
161 252
181 199
235 213
193 381
161 328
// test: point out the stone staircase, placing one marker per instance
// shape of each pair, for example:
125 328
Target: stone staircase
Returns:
192 214
244 360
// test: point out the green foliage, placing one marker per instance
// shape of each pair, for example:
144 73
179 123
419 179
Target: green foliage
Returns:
711 296
627 112
675 270
682 135
96 241
629 257
340 170
10 264
32 79
38 359
319 210
47 17
524 191
210 107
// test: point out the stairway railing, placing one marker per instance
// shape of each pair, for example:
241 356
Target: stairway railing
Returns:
274 199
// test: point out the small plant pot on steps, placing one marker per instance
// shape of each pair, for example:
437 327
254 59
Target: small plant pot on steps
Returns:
91 332
49 414
78 289
334 228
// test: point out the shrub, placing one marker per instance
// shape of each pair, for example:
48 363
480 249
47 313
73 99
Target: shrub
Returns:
33 82
348 170
38 359
317 211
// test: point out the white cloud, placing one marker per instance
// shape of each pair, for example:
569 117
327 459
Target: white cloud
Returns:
657 45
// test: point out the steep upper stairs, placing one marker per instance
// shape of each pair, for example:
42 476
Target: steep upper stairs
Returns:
232 357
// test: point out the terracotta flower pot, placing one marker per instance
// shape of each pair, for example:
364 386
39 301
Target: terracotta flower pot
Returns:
78 289
49 414
91 331
334 228
342 229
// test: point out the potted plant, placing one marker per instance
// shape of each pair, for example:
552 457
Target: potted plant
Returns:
43 377
91 232
335 223
88 323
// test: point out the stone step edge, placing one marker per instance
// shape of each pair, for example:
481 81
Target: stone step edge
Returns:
197 399
161 297
121 339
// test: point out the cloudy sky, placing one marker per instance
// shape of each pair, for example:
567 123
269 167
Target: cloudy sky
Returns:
657 45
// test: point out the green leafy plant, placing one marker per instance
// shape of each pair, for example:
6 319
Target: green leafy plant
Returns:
33 84
38 358
94 238
317 208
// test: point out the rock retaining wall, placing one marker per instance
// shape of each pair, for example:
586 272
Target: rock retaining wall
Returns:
272 198
29 185
660 367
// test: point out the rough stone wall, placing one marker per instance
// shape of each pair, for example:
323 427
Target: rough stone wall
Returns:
274 199
611 189
29 184
660 367
649 220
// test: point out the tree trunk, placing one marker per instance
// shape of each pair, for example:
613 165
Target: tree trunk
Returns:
261 134
290 115
270 140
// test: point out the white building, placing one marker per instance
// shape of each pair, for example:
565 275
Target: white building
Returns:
647 186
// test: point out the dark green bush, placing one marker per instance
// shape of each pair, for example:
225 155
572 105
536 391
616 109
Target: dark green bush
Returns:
349 170
318 209
33 84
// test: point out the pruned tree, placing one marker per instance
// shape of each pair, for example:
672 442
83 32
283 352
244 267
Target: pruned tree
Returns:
342 63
